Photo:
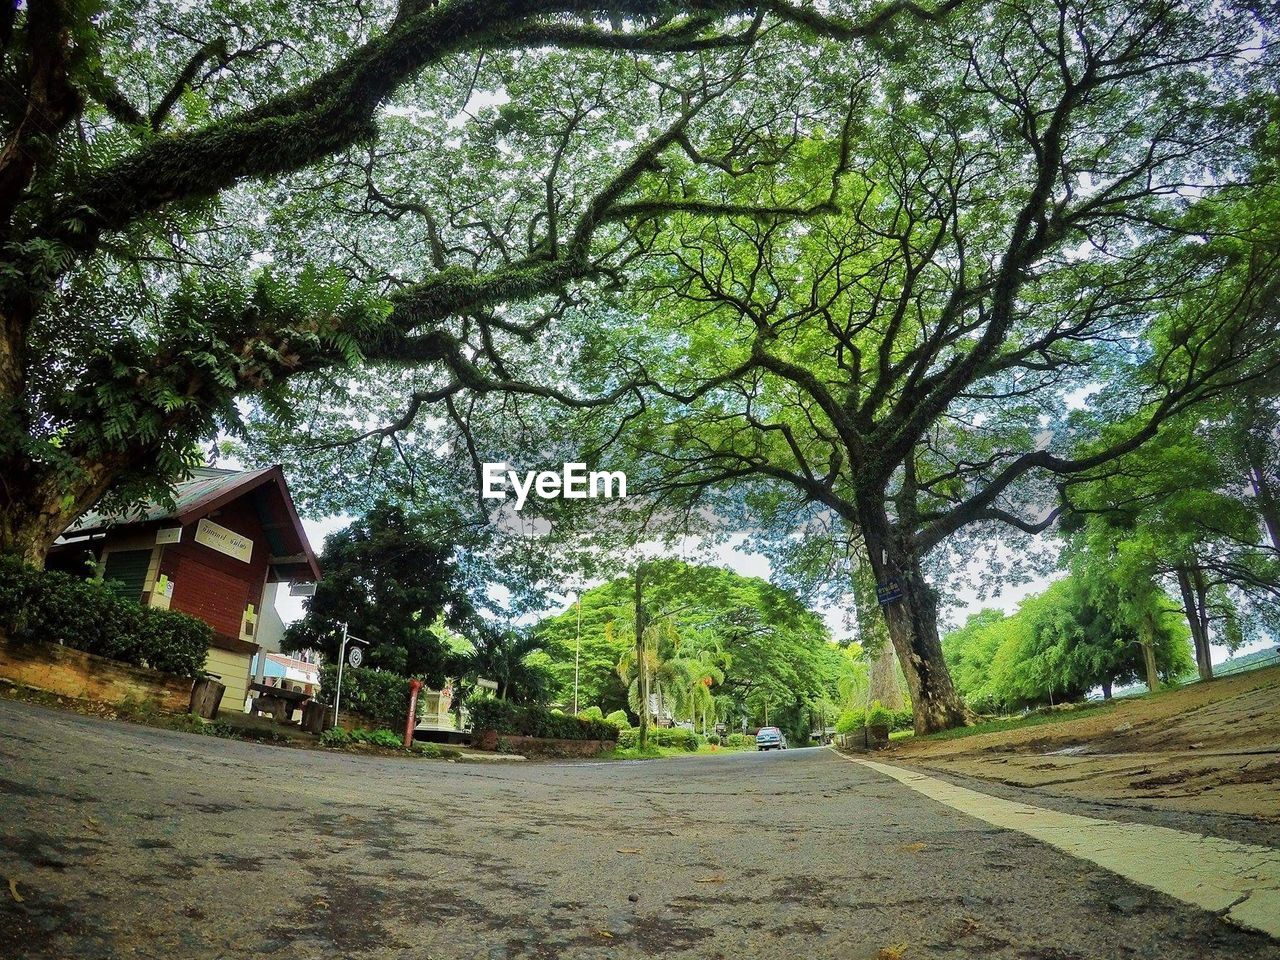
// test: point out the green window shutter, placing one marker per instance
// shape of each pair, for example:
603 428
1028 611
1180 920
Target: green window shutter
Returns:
126 572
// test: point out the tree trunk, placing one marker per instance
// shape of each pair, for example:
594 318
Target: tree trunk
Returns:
873 634
1149 662
883 676
1264 489
35 509
1106 689
912 622
1194 607
642 664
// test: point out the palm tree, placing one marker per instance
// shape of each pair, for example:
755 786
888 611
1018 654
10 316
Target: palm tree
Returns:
502 656
704 668
666 677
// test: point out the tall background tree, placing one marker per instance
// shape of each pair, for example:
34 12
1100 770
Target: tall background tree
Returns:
1064 642
756 643
395 580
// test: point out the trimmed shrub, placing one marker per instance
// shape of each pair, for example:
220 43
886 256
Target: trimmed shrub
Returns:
38 606
661 737
903 720
618 719
490 713
338 737
851 720
739 740
591 713
377 695
878 716
675 737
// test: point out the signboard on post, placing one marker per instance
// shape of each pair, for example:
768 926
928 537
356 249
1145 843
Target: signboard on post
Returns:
888 592
355 657
491 685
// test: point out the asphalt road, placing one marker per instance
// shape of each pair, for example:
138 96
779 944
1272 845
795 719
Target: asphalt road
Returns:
129 842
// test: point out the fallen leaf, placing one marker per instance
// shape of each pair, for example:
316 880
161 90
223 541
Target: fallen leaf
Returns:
915 847
13 889
967 926
709 880
895 952
93 824
629 850
605 933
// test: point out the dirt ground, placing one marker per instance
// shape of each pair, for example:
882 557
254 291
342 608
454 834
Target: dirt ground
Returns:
1207 748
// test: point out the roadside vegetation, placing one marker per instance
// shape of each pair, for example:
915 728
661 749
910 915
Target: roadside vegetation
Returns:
907 300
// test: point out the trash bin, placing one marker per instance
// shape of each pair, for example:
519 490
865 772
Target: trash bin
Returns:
316 717
206 696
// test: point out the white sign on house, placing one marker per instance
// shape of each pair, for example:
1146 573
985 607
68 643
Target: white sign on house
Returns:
217 537
169 535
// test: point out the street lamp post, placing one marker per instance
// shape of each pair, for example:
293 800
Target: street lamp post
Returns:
342 659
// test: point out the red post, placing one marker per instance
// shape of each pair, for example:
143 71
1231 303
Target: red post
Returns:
414 687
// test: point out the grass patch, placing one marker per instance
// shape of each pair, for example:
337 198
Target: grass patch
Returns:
1000 724
148 714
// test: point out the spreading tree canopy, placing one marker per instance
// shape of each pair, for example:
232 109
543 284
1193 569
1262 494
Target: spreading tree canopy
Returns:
1038 245
201 202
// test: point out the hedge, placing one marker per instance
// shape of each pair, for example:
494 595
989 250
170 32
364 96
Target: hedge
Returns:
376 695
39 606
490 713
337 737
855 718
662 737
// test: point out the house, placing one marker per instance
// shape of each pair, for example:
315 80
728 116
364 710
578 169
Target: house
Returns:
301 674
219 552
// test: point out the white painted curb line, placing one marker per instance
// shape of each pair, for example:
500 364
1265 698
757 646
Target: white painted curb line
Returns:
1240 881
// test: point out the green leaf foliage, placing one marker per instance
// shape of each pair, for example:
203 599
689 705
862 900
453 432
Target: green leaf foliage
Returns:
529 720
1079 634
390 576
52 607
379 696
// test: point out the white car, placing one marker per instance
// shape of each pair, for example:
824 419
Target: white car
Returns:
771 738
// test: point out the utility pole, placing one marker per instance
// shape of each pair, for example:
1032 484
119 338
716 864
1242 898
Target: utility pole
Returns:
342 657
577 646
642 665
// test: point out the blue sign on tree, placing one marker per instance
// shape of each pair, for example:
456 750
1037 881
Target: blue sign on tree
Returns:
888 592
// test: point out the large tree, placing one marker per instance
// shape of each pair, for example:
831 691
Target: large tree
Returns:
199 203
1036 243
1190 510
764 642
394 578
